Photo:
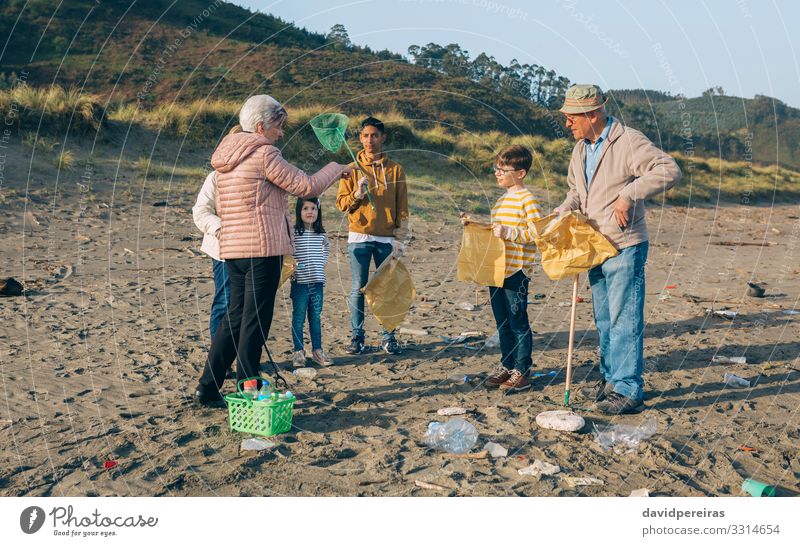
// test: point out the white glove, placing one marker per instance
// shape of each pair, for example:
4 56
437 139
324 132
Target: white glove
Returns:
362 188
397 248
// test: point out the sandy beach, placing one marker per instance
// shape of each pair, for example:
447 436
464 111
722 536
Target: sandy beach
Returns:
100 355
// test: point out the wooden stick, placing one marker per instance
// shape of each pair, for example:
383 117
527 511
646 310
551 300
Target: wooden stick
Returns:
572 314
426 485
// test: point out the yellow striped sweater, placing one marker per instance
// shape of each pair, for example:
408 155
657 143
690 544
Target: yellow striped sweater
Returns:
516 210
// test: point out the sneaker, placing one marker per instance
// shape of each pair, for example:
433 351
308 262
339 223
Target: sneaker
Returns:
299 359
356 346
321 358
518 381
390 346
596 391
616 404
499 376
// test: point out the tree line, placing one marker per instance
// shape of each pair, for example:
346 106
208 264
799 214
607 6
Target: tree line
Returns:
529 81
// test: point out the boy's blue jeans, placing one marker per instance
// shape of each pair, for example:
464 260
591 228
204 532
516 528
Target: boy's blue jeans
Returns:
222 295
361 254
510 309
307 301
618 302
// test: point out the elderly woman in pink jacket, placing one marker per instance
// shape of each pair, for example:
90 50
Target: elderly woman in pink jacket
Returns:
253 184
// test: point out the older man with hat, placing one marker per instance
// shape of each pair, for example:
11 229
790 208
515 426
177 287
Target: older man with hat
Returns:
614 169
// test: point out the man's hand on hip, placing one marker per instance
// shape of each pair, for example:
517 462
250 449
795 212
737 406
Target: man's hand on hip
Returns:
622 207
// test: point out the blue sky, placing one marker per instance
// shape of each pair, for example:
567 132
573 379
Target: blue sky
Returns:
744 46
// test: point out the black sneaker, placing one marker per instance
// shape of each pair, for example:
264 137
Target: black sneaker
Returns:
391 347
616 404
356 346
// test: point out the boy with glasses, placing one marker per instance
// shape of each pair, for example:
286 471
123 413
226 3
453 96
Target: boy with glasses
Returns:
512 220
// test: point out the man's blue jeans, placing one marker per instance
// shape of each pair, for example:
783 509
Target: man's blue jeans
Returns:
222 295
510 310
618 301
307 301
361 254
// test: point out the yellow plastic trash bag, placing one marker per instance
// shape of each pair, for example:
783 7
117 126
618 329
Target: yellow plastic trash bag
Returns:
569 245
287 270
390 293
482 258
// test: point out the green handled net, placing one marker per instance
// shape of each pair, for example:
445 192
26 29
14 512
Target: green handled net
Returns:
330 130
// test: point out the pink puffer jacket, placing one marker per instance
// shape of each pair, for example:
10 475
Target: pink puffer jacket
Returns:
253 184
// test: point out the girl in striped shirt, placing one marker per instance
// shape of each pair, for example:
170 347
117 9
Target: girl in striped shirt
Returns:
311 251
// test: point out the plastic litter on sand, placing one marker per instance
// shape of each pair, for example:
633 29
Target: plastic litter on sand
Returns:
733 380
455 436
718 359
539 468
256 444
624 436
496 450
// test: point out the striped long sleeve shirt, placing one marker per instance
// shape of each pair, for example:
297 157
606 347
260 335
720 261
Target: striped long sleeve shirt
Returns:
311 251
516 210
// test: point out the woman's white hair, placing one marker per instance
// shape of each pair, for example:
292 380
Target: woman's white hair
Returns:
261 109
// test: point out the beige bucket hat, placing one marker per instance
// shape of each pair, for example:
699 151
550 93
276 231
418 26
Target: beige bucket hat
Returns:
582 98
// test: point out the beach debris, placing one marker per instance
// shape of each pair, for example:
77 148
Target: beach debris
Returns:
109 464
552 373
160 204
412 332
663 297
539 468
719 359
754 290
493 341
580 300
127 251
479 455
495 450
733 380
455 436
747 449
459 378
583 481
427 485
563 420
256 444
723 313
467 306
539 296
670 287
791 312
644 492
625 436
451 411
462 337
755 488
305 373
11 287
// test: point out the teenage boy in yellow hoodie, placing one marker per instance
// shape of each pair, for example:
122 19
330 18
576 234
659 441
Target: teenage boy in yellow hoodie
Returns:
377 207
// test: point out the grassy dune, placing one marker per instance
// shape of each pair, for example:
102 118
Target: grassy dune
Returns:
448 169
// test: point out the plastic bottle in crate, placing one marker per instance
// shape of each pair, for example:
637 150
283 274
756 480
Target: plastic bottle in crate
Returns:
266 391
250 389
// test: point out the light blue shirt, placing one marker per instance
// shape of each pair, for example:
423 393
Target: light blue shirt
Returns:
593 153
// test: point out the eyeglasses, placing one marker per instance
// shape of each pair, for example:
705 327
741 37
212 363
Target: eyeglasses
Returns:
502 170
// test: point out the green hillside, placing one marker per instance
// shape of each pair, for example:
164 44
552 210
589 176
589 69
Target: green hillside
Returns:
159 52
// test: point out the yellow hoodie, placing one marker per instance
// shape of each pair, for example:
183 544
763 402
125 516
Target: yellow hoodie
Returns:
387 186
